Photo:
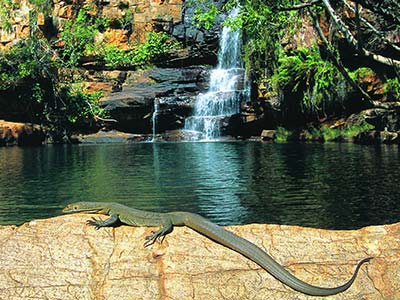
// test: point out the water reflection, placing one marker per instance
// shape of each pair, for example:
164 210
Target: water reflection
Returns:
320 185
218 185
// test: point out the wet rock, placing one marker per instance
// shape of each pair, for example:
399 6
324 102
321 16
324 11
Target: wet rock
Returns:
110 137
384 117
377 137
22 134
161 95
63 258
179 136
268 135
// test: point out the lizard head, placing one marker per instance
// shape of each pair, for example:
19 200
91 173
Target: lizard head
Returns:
87 207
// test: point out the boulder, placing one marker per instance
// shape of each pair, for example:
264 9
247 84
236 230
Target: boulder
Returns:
22 134
110 137
268 135
161 95
377 137
385 116
63 258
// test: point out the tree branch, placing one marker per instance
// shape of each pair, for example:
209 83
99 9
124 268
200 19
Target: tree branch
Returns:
352 41
388 9
370 26
299 6
335 60
98 117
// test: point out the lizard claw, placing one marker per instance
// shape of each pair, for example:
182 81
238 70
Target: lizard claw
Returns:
149 240
94 222
155 235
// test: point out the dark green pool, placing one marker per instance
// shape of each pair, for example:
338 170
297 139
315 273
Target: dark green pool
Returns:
321 185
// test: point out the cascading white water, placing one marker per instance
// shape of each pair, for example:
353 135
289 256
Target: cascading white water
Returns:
154 118
226 87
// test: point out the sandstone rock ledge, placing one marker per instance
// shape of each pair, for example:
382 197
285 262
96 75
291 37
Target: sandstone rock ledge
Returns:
62 258
22 134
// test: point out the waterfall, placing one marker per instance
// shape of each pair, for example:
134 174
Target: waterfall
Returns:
154 118
225 90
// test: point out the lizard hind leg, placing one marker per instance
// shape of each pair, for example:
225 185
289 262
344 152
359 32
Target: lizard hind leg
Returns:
161 233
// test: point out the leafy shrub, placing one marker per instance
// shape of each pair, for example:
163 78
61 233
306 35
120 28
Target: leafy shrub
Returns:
317 80
393 87
32 67
42 5
7 8
28 60
80 106
78 36
205 17
328 134
282 135
157 44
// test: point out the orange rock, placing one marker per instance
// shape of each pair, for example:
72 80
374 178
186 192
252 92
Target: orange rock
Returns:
7 36
117 37
22 31
112 13
13 133
40 19
66 12
106 87
175 2
75 261
175 11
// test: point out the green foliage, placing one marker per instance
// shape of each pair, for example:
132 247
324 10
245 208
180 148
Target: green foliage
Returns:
355 129
393 86
330 134
313 134
205 17
316 79
282 135
127 21
80 106
28 60
78 35
264 25
324 133
7 8
344 133
361 73
157 44
32 67
38 93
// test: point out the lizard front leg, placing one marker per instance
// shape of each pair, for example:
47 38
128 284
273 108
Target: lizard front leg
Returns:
112 220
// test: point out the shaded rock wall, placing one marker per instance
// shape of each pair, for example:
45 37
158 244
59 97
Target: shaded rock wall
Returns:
62 258
161 95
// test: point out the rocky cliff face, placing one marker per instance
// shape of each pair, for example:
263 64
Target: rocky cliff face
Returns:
63 258
130 95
